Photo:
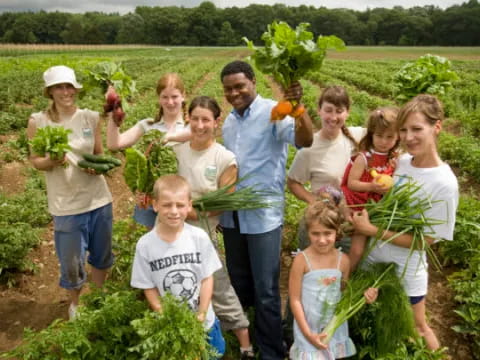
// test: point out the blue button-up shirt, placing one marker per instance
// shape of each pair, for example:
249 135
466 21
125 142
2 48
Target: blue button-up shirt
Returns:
260 147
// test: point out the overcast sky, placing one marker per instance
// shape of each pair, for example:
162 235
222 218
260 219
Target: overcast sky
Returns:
125 6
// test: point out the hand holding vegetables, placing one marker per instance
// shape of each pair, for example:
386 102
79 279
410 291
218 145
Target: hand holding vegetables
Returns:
386 181
288 55
114 104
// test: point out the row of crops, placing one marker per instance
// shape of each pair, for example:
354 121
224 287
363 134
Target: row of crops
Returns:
370 85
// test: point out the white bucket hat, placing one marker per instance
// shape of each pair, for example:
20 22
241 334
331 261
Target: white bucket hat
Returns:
59 75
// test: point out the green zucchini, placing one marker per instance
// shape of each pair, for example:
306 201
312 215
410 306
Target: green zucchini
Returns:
98 167
102 159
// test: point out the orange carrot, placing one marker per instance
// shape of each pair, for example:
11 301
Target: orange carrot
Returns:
298 111
284 107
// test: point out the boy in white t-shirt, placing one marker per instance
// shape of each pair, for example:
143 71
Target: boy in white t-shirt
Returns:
177 257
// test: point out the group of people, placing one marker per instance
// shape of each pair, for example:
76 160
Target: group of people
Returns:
176 245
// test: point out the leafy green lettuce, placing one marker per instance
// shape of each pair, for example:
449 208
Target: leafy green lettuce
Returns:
429 74
52 140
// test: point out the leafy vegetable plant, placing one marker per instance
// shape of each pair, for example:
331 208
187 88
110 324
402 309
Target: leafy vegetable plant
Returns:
288 55
52 140
175 333
107 73
147 161
430 74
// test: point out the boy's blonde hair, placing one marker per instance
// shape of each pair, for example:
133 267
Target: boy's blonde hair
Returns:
327 211
171 182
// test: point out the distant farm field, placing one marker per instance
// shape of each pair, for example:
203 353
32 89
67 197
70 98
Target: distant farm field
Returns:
366 73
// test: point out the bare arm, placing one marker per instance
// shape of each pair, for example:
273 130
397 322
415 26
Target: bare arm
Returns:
206 292
295 293
180 136
299 191
98 146
356 172
303 123
362 224
40 162
153 298
117 141
345 268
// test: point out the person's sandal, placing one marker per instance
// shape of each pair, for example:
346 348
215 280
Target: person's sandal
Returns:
248 355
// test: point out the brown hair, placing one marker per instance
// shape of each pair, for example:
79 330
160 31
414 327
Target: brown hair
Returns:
380 120
326 210
427 105
338 96
171 182
205 102
171 80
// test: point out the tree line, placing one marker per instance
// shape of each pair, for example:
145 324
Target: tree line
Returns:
207 25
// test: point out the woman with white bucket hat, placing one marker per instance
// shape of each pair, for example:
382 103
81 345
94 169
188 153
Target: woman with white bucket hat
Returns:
78 199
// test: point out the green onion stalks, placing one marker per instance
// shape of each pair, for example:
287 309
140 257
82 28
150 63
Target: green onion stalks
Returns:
402 209
352 301
224 199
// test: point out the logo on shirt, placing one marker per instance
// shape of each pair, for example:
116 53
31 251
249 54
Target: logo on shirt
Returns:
211 172
181 283
87 132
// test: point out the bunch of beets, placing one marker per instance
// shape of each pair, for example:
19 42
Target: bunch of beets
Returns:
114 104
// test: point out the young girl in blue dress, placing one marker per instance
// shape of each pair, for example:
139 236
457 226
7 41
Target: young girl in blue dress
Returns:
315 284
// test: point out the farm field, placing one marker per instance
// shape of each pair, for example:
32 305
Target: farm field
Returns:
32 298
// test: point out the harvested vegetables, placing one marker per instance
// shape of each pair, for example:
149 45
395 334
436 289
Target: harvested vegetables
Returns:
147 161
52 140
353 298
376 329
245 198
385 180
100 163
107 73
288 55
402 210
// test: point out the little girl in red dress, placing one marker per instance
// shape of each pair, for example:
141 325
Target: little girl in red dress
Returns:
377 152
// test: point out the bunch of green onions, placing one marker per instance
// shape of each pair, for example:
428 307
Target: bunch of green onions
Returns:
231 198
353 298
402 210
225 199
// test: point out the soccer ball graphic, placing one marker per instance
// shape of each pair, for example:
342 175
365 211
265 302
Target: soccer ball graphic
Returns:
181 283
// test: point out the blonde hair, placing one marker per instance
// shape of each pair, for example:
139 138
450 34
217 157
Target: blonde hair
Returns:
172 80
338 96
427 105
170 182
327 211
380 120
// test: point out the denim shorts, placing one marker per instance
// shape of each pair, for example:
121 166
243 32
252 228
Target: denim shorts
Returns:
215 338
145 217
77 234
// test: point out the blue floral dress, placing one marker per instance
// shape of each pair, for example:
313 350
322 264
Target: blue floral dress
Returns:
321 291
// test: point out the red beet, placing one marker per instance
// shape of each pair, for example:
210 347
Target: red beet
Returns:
112 97
118 115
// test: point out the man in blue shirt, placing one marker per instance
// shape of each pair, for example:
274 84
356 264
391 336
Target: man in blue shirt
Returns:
253 237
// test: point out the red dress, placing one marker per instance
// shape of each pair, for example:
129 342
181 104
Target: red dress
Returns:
375 161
